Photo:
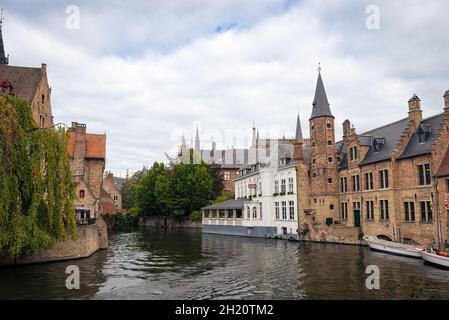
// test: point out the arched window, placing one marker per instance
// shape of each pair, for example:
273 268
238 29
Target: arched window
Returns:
82 194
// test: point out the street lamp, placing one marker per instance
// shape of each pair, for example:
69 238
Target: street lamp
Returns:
58 125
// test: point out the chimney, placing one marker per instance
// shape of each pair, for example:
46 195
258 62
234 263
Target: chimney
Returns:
79 130
346 127
414 110
297 150
446 99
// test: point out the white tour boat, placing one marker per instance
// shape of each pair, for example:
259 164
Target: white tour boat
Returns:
433 257
391 247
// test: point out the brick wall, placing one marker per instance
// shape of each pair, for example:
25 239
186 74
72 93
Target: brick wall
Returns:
90 240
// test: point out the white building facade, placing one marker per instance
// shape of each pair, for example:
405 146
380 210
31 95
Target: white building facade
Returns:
269 198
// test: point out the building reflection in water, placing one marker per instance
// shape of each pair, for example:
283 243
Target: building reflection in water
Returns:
152 263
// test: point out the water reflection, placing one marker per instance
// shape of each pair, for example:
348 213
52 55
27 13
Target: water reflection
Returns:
47 281
185 264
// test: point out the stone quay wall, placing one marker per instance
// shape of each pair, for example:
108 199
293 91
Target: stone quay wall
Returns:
169 222
332 234
90 239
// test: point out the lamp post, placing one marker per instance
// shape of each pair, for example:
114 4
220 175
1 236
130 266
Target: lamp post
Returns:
60 124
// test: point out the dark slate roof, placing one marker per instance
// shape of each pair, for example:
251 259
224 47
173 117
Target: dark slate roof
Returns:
24 81
391 133
229 204
298 135
341 148
320 103
119 182
414 147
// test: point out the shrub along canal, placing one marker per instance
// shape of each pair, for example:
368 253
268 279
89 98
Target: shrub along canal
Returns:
151 263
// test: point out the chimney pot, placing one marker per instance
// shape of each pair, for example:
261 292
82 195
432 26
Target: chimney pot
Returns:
446 99
414 109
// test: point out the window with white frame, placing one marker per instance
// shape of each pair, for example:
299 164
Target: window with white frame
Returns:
276 186
276 210
384 210
369 210
284 210
409 211
254 213
383 178
369 181
291 185
283 186
426 211
344 211
424 174
291 206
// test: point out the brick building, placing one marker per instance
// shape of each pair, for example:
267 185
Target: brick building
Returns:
87 152
112 196
30 84
381 182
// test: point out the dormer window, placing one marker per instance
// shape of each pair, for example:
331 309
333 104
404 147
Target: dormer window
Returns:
378 143
424 132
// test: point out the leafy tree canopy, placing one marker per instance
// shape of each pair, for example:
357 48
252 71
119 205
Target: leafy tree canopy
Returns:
36 188
178 189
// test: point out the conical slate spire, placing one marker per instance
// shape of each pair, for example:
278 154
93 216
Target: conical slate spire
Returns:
197 140
298 135
320 103
3 58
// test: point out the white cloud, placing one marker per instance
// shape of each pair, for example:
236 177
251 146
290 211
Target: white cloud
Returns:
260 70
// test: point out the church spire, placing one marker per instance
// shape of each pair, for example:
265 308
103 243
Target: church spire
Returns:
254 139
4 60
320 103
197 141
298 135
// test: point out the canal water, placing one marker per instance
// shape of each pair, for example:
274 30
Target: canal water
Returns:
154 263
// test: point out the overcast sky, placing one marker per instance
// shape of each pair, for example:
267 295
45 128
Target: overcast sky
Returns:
145 72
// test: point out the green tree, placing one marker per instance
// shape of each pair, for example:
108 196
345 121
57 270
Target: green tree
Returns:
129 190
146 198
36 188
191 186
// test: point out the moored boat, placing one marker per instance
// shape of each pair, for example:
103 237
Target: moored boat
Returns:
434 258
391 247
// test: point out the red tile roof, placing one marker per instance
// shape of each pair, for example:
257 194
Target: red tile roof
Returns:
95 145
